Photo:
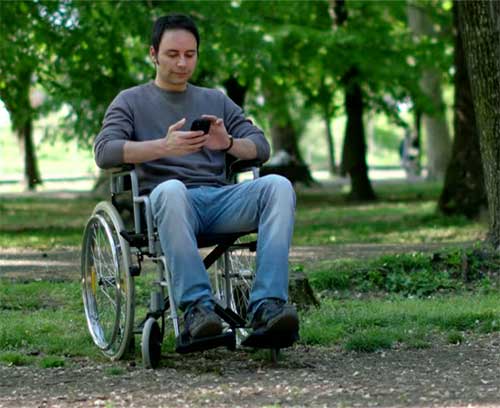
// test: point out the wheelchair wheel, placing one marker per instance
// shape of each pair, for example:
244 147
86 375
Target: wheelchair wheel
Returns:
151 343
239 264
107 286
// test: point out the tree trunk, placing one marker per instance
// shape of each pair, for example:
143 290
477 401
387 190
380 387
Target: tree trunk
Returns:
434 118
354 149
27 147
236 91
332 167
284 138
480 28
19 107
463 190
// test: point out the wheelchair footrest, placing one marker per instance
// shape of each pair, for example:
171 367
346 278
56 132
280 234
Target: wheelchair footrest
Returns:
230 317
265 339
185 344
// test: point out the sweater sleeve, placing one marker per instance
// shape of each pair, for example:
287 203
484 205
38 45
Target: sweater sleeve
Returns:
239 126
117 128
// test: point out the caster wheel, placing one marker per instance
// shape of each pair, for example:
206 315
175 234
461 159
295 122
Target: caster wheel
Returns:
151 344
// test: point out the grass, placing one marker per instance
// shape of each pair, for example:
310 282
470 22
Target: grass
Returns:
414 274
406 300
43 222
403 214
42 323
373 324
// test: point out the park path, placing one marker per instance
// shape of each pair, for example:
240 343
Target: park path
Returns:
64 263
444 375
465 375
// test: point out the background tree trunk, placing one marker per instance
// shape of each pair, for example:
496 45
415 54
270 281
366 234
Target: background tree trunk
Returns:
434 118
463 190
332 167
480 29
354 148
284 138
19 107
28 152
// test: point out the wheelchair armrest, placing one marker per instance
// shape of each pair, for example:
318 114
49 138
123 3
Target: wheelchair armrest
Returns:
124 178
124 168
240 166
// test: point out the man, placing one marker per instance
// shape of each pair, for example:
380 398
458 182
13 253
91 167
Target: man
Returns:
185 172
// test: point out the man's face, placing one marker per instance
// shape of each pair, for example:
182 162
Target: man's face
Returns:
176 59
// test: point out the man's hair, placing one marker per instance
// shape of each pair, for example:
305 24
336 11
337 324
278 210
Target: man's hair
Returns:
173 22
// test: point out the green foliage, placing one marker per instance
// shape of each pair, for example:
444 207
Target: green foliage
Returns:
83 54
415 274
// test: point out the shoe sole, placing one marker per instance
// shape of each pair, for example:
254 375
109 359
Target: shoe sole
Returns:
286 323
208 329
280 332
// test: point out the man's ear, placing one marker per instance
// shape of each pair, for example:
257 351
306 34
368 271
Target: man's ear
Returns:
153 56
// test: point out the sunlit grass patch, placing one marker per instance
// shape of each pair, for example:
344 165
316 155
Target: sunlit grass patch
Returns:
404 213
15 358
44 318
413 274
372 324
43 222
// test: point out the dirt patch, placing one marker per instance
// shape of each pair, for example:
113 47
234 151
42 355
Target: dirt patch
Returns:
64 263
466 375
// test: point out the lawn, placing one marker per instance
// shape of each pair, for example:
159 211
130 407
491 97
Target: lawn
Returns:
399 301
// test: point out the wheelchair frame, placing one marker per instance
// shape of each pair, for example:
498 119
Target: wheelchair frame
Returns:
117 338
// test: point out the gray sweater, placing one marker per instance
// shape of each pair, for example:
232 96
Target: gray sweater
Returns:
145 112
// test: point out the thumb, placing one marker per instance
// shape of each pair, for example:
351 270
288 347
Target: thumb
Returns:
177 125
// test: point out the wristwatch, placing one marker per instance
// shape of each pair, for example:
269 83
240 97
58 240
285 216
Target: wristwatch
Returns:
231 141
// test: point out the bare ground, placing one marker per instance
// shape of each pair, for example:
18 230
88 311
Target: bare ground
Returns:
465 375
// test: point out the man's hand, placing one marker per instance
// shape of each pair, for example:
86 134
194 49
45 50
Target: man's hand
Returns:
218 138
180 143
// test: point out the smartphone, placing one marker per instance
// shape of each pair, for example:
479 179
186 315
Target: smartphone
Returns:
201 124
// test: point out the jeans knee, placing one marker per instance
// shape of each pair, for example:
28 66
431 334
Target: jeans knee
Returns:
169 195
281 188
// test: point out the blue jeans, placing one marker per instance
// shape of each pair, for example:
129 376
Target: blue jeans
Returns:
267 203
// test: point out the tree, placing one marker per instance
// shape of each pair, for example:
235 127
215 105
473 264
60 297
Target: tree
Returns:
463 191
354 150
23 33
480 27
432 106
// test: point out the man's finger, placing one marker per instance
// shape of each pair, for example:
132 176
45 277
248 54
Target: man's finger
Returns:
177 125
211 118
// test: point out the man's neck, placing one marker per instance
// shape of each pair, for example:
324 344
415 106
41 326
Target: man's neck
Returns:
170 87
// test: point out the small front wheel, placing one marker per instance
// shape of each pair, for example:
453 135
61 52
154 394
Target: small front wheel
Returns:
151 343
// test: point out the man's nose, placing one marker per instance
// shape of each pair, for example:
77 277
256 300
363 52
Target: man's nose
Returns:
181 61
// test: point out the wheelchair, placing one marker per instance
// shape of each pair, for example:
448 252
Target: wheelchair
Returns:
112 258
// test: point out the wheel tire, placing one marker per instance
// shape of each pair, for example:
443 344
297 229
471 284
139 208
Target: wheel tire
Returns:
107 287
151 344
